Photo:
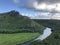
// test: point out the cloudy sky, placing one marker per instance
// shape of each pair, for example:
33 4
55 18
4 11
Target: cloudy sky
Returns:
41 5
39 9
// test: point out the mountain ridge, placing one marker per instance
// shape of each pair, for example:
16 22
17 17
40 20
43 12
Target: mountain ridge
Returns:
13 21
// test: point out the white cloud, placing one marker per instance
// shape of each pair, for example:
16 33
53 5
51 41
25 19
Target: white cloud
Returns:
56 16
34 4
48 7
58 7
40 6
54 5
45 16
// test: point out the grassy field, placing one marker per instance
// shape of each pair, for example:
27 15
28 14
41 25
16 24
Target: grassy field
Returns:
16 29
18 38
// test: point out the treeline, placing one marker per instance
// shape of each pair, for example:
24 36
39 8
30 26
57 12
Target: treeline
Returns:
54 38
13 22
54 24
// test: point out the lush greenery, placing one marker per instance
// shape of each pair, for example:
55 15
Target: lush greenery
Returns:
54 38
16 29
18 38
13 22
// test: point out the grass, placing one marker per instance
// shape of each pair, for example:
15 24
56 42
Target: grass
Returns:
23 27
18 38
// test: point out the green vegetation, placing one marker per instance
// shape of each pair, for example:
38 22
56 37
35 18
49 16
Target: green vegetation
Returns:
16 29
13 22
18 38
54 38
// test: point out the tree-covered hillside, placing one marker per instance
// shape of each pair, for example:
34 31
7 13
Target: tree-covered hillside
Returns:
54 24
54 38
13 22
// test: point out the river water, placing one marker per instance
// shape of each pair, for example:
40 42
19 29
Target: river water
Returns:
47 32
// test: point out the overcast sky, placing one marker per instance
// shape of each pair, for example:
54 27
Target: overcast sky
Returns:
35 8
41 6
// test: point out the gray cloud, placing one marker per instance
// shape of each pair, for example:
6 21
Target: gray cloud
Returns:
36 5
48 1
51 6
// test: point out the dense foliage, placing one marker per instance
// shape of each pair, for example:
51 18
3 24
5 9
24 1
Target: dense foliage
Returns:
54 38
13 22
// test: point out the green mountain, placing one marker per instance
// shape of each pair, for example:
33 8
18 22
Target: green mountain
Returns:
13 22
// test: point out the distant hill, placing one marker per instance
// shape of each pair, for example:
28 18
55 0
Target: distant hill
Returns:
54 38
13 22
54 24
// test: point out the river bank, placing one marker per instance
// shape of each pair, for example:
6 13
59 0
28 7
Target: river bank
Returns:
47 32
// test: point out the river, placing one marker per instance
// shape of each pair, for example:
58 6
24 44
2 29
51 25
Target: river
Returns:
47 32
